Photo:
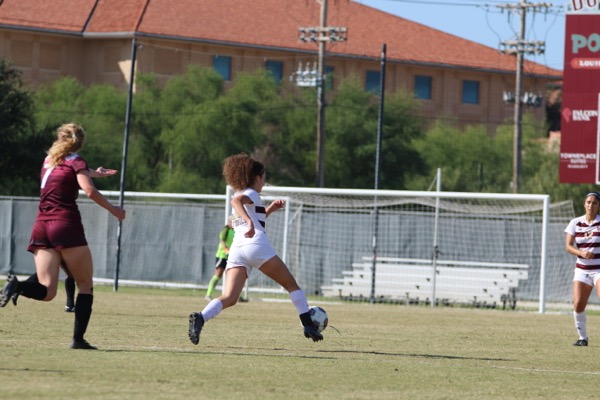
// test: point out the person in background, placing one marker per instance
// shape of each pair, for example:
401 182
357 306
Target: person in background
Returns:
225 239
251 247
583 241
58 235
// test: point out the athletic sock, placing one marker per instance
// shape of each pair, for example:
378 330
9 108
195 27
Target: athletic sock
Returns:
212 284
70 289
299 300
581 324
212 309
32 288
83 311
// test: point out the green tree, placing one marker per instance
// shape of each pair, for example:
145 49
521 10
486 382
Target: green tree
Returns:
351 139
22 148
293 146
471 160
99 109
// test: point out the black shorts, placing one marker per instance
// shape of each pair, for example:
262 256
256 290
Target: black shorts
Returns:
56 234
221 263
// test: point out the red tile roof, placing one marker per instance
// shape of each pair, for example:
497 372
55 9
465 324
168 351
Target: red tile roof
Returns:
264 24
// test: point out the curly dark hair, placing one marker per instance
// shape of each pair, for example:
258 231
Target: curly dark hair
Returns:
240 171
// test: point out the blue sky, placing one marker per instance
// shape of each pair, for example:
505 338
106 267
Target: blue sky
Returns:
483 22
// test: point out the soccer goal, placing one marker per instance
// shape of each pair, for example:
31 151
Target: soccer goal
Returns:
486 249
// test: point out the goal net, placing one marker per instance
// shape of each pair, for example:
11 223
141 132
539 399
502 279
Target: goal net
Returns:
487 248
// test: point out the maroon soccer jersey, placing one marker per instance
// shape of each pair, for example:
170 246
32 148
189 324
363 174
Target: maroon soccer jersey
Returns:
59 190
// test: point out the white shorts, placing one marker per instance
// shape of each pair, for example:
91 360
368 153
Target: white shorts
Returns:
587 276
250 256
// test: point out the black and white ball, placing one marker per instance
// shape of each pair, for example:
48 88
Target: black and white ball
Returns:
319 318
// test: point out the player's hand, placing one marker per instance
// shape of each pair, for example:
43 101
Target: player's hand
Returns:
588 255
275 205
119 213
102 172
278 204
250 232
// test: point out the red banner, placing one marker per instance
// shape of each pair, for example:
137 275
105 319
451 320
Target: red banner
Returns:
581 90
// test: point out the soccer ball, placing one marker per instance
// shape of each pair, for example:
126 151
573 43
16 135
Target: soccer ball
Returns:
319 318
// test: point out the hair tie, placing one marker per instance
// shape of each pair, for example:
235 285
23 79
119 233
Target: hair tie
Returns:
595 194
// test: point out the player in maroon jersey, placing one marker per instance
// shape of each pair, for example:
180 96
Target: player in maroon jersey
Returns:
57 232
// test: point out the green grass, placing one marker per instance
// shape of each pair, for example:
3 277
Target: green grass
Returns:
256 350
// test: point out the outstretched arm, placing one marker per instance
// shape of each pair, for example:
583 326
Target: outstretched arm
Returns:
274 206
87 185
101 172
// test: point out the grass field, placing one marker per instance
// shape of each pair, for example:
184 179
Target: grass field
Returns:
256 350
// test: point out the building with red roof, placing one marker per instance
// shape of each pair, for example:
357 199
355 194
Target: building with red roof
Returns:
92 41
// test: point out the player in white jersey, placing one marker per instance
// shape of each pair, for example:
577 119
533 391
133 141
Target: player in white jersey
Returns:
251 247
583 241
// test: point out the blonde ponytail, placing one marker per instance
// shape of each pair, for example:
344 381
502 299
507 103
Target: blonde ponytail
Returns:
70 140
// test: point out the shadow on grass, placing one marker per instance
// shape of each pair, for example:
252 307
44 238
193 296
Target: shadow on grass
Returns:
236 351
432 356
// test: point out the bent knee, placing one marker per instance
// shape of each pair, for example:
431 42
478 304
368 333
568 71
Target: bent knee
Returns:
50 295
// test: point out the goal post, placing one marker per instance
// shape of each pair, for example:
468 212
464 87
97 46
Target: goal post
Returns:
332 231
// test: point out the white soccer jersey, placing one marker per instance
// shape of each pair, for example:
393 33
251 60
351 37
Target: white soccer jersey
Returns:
257 212
587 237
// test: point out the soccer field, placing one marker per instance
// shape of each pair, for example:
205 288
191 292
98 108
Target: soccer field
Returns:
256 350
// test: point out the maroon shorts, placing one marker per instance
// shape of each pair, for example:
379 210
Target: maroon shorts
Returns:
56 234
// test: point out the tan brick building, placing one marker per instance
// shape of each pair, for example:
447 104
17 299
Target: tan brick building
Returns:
92 41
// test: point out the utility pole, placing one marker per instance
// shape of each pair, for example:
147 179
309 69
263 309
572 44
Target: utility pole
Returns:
520 47
321 34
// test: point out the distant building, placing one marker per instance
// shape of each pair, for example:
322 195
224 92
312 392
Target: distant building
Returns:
92 41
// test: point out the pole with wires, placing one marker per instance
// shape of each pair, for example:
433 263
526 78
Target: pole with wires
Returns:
124 158
377 167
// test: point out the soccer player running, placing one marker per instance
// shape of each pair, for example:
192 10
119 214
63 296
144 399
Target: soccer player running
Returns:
58 234
583 241
99 172
251 247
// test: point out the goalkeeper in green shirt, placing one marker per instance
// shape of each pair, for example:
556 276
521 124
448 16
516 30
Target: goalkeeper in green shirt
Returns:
225 239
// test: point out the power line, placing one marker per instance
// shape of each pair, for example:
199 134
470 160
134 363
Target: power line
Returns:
520 47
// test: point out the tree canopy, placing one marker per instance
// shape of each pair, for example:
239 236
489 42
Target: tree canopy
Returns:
182 129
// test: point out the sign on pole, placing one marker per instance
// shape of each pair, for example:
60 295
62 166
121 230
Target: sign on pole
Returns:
580 144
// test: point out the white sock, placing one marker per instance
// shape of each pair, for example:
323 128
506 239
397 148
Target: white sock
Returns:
580 324
299 300
212 309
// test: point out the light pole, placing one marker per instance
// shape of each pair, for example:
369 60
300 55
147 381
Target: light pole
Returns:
321 35
520 47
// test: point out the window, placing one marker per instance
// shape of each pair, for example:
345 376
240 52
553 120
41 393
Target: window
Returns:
222 64
329 78
470 92
275 68
372 81
423 87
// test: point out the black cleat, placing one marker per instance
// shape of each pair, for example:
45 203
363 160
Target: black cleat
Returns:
196 324
69 308
9 289
581 342
310 332
82 345
14 298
